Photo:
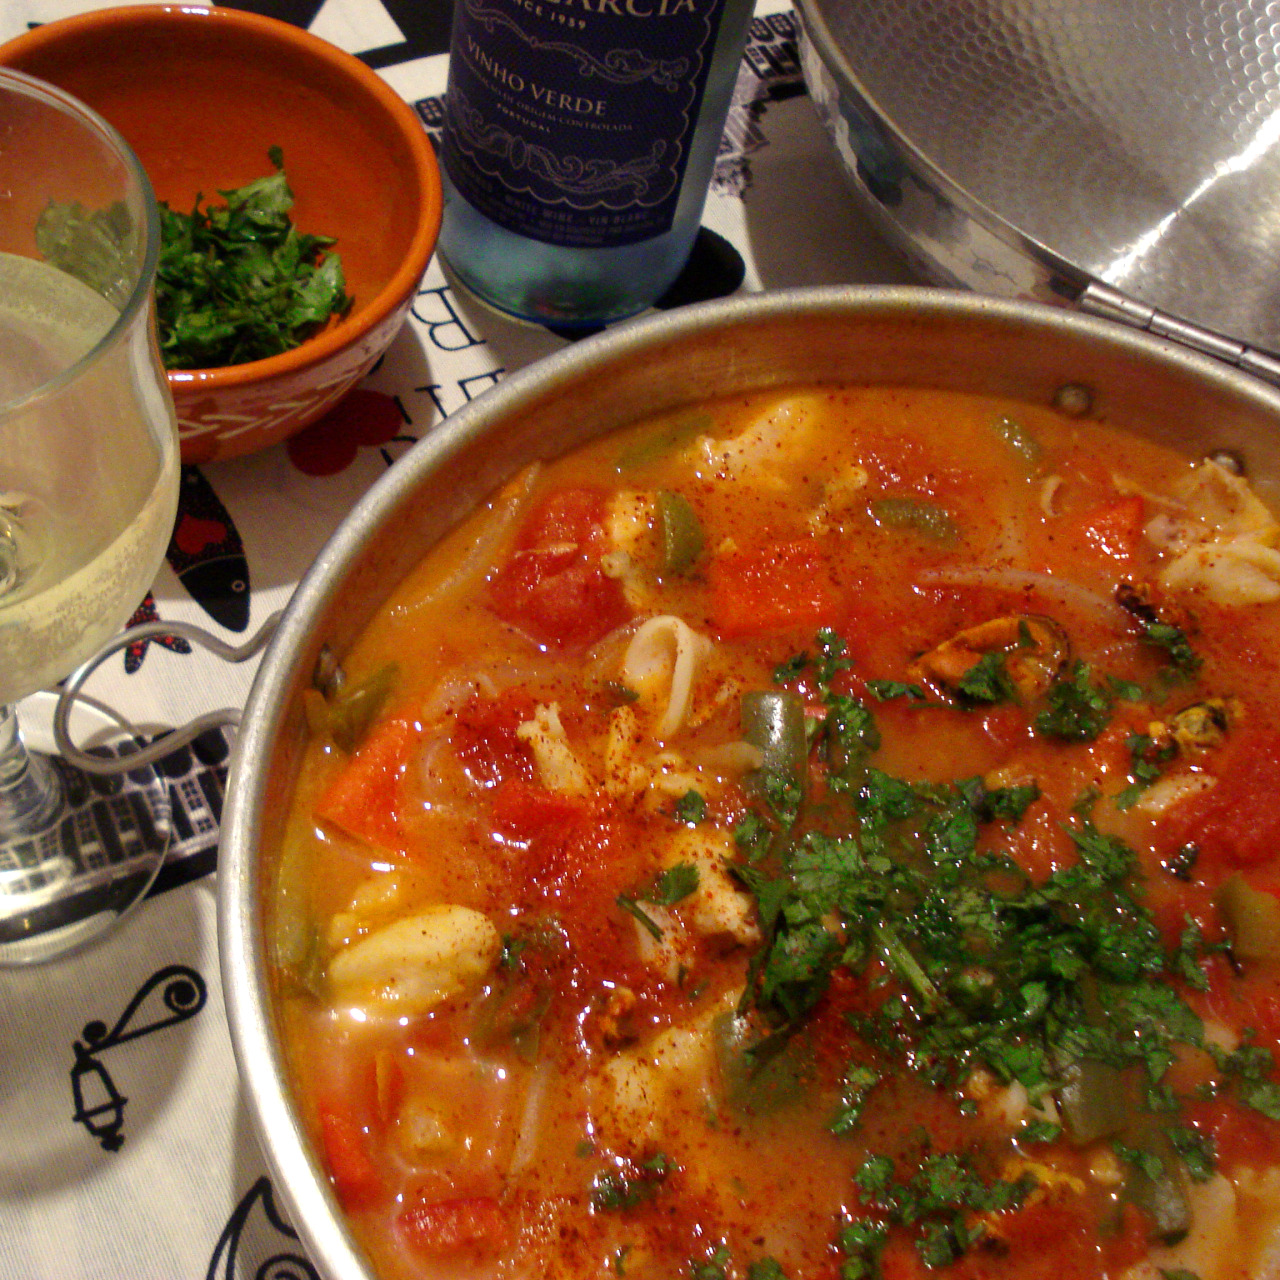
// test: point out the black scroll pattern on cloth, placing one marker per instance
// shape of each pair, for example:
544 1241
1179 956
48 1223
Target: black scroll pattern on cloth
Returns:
258 1244
170 996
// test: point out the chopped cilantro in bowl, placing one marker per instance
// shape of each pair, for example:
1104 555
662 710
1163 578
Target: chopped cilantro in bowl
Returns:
238 281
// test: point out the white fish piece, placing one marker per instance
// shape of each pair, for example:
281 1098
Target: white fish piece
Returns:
1225 546
1239 571
1166 792
416 962
559 769
639 1084
752 455
631 527
718 907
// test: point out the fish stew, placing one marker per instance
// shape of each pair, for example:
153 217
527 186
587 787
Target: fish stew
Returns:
821 834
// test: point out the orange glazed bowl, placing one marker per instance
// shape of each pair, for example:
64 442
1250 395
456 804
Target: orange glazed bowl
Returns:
201 95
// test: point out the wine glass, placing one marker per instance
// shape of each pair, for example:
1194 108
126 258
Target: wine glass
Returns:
88 495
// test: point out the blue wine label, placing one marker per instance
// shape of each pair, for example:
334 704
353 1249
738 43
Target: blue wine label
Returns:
570 121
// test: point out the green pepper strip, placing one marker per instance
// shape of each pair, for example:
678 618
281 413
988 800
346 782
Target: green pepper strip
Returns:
773 720
682 536
911 515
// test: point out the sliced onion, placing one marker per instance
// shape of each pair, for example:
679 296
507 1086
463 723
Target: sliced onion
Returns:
507 509
1057 590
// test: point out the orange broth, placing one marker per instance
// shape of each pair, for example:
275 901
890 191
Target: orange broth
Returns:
575 983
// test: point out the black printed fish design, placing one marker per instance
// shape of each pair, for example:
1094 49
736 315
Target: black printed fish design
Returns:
134 654
207 554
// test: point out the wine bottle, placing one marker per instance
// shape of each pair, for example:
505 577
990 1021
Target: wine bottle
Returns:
579 139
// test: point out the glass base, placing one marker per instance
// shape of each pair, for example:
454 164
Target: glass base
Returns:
67 884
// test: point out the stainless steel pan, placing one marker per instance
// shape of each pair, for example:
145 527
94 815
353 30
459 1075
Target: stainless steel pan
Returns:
907 336
1120 155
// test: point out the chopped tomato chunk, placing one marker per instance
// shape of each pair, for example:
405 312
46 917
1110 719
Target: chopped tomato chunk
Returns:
1057 1227
1130 1243
772 588
485 737
568 516
351 1168
448 1226
1175 903
1247 996
525 810
1114 529
1007 726
1240 1135
553 587
363 799
1236 823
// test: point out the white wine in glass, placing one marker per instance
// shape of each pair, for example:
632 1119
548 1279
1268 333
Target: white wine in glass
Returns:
88 494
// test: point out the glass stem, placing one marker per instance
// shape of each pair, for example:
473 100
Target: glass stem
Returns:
31 795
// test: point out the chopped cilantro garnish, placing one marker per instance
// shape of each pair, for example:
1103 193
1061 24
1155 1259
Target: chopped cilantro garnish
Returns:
675 883
1084 804
238 282
979 965
1147 756
1185 961
1124 690
1107 855
1173 642
1039 1131
885 690
988 680
1078 709
935 1202
714 1267
861 1242
630 1184
1062 984
512 947
1263 1096
849 736
858 1082
1009 803
633 909
787 671
1148 1162
1196 1150
798 966
988 803
691 808
753 836
831 661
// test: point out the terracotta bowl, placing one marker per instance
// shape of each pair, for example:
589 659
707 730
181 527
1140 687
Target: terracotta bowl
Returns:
200 95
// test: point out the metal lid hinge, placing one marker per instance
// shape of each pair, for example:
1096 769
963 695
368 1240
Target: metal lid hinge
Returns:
1110 304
